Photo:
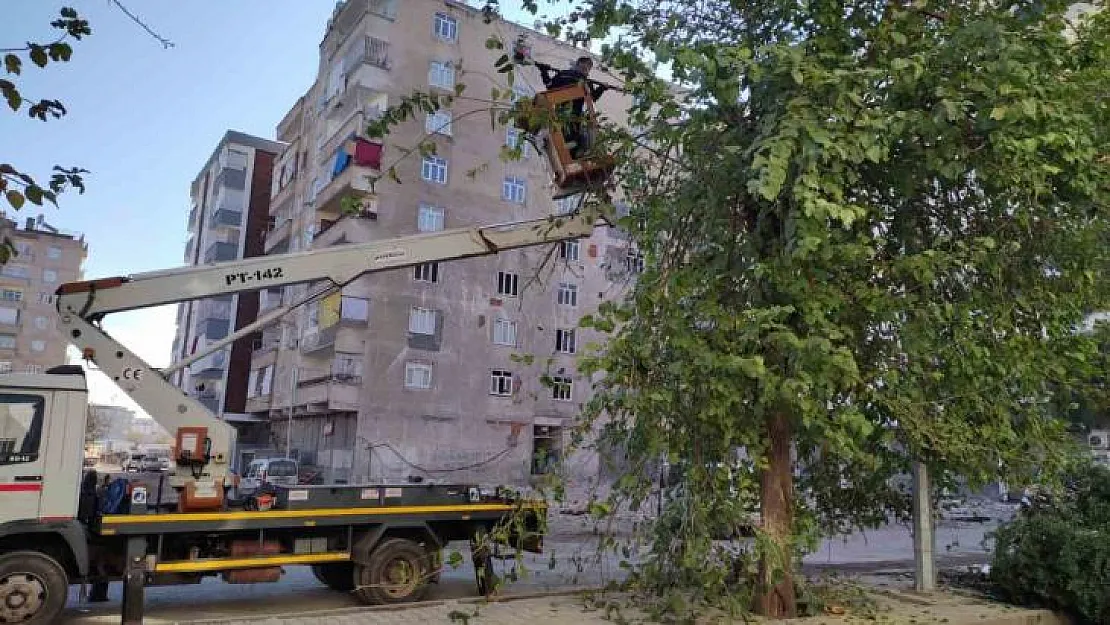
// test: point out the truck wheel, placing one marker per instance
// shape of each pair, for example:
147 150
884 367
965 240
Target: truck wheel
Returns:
33 588
396 573
340 576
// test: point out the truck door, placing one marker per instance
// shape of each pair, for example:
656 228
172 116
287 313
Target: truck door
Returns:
22 452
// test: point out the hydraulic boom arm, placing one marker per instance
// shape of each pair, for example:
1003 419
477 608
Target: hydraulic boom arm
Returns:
81 306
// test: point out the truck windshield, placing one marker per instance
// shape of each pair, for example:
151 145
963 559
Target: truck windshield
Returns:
282 468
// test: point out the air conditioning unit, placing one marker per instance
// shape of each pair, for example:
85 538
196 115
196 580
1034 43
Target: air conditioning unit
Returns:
1099 439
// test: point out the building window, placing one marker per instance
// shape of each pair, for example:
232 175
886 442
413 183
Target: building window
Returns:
53 253
438 122
11 295
501 383
562 388
418 375
567 205
21 419
504 332
49 276
568 250
442 74
434 169
41 322
564 341
568 294
507 283
547 448
429 218
9 316
634 261
422 321
38 346
428 272
15 271
446 27
47 298
7 341
513 189
514 138
5 366
354 308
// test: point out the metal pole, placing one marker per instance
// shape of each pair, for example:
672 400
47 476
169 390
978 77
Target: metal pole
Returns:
289 425
924 538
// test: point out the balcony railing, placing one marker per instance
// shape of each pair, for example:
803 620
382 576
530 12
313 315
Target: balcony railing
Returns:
227 217
326 391
277 240
221 251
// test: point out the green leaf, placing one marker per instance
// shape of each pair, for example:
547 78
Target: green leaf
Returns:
38 55
898 38
15 198
493 43
998 113
796 74
34 194
12 63
392 174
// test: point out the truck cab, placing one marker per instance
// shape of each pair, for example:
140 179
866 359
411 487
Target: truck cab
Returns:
42 435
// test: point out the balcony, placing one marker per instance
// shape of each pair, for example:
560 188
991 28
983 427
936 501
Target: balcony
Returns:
193 218
345 336
232 178
211 401
189 249
214 328
260 404
277 240
327 392
225 216
221 251
267 344
351 182
357 97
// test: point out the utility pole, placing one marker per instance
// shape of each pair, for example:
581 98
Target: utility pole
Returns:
924 538
292 407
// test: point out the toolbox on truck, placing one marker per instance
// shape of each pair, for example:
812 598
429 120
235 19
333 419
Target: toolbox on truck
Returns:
371 495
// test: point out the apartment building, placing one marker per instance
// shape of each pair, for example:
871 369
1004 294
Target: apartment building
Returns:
45 258
458 371
228 220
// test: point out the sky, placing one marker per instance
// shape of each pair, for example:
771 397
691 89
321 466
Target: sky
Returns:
144 119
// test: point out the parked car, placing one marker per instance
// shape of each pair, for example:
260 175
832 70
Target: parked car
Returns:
151 464
279 471
134 463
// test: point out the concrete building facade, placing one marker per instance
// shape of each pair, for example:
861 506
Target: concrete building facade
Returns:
227 221
457 371
44 259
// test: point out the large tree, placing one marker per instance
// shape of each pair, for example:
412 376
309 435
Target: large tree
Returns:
871 230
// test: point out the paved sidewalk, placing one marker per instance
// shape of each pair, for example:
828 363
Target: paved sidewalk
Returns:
893 606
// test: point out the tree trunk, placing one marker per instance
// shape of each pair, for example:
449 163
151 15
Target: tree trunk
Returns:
776 598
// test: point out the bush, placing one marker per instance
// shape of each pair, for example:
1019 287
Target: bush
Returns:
1056 554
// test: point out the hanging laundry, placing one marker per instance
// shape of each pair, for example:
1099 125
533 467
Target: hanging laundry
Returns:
342 159
368 153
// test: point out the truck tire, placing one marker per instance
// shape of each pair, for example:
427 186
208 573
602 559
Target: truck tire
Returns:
33 588
397 572
340 576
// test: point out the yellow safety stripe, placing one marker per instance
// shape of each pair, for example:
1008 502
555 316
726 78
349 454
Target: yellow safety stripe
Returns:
225 564
120 519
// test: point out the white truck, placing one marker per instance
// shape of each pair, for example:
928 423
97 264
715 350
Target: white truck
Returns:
381 542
